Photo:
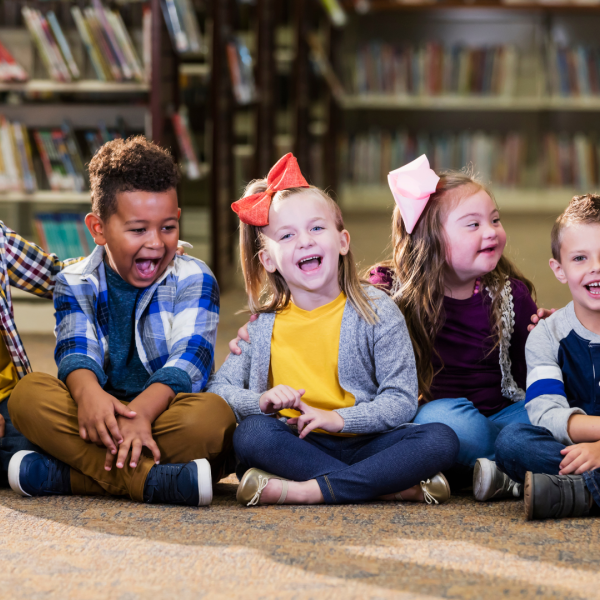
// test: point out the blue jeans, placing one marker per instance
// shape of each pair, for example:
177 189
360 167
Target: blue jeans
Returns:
11 443
521 448
476 433
347 469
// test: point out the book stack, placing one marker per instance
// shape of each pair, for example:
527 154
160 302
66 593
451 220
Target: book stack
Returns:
507 160
573 71
64 234
433 69
187 146
16 163
103 34
182 24
241 71
10 70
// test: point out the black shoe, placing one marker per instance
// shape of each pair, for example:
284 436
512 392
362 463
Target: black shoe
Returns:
34 474
555 496
188 484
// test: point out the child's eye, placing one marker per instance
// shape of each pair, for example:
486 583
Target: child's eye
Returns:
579 258
286 236
497 220
137 230
169 227
317 227
473 225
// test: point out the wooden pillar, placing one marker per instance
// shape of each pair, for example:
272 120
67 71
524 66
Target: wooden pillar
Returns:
301 87
264 155
330 143
222 171
156 111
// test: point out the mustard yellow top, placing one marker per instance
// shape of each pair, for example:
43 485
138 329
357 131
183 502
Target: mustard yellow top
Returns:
304 354
8 372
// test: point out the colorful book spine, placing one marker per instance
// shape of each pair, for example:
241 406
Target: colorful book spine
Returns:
63 45
10 70
86 37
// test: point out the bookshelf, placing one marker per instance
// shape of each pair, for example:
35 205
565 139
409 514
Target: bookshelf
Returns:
406 51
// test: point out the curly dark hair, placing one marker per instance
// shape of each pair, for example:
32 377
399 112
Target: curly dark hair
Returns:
134 164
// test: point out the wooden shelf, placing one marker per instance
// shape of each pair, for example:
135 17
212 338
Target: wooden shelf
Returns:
86 86
198 69
45 197
480 103
397 5
363 198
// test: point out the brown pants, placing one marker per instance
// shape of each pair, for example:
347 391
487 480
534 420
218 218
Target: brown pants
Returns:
193 426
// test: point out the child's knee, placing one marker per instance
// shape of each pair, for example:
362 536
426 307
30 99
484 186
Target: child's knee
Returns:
510 442
445 440
211 421
25 398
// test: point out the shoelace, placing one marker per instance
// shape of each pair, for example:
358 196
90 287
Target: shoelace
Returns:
428 497
262 484
58 473
514 488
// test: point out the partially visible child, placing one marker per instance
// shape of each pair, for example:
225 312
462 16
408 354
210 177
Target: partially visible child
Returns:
135 326
467 308
558 454
330 357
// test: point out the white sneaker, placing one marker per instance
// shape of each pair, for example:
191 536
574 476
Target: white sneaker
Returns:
490 483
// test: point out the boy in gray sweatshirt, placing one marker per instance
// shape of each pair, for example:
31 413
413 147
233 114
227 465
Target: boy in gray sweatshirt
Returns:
558 454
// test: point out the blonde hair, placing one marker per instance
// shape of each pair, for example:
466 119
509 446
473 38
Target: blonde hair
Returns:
583 210
419 263
269 292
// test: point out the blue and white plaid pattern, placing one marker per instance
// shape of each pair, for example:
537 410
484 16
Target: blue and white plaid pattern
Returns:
27 267
175 322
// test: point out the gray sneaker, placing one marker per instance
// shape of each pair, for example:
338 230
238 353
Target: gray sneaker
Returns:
490 483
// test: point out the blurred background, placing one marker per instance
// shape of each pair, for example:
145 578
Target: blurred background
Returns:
355 88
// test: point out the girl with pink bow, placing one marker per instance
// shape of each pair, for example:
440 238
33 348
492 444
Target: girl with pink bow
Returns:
468 311
325 393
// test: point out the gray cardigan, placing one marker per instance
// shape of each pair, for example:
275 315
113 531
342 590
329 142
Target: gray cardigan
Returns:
376 364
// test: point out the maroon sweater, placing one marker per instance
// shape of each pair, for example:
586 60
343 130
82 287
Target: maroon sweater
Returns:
470 370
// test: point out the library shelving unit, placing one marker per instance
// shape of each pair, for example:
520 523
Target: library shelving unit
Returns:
534 107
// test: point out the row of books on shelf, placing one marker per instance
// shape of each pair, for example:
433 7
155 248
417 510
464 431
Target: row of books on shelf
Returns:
182 24
64 234
573 71
241 71
190 163
59 151
510 159
432 69
104 35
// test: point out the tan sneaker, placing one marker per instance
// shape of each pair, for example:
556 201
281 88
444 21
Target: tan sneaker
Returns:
252 485
436 490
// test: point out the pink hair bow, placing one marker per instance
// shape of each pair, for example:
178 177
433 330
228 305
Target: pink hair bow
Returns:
411 186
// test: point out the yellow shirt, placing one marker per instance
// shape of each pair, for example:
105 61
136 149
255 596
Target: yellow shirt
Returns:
8 373
304 354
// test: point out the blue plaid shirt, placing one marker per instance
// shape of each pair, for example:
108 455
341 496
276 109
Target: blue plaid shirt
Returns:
176 318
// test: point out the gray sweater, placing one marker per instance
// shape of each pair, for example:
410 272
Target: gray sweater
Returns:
376 364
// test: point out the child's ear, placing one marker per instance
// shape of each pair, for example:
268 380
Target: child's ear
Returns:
266 261
558 270
344 242
96 228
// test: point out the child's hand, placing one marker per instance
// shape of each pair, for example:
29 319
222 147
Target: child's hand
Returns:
97 422
137 433
2 426
315 418
580 458
542 313
280 397
242 335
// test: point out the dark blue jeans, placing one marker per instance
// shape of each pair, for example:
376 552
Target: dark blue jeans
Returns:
521 448
347 469
11 443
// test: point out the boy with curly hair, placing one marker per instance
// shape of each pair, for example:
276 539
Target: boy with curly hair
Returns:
136 326
558 455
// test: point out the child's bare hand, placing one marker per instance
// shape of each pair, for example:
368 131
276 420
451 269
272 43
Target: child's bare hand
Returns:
242 335
97 422
280 397
542 313
315 418
580 458
137 433
2 426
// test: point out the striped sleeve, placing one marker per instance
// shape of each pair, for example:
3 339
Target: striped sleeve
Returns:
546 401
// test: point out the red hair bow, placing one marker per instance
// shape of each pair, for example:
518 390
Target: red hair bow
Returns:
285 174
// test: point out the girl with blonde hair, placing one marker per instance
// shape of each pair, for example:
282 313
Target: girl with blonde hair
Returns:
325 393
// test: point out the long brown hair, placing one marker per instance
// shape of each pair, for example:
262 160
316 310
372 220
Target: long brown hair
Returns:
419 262
269 292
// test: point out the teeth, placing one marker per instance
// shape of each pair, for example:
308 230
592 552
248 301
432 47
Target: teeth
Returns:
309 258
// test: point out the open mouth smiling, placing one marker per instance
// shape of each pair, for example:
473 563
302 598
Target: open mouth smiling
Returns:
310 263
488 250
593 288
146 267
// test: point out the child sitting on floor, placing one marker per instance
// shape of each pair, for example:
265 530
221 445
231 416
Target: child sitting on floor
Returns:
330 357
136 326
558 455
